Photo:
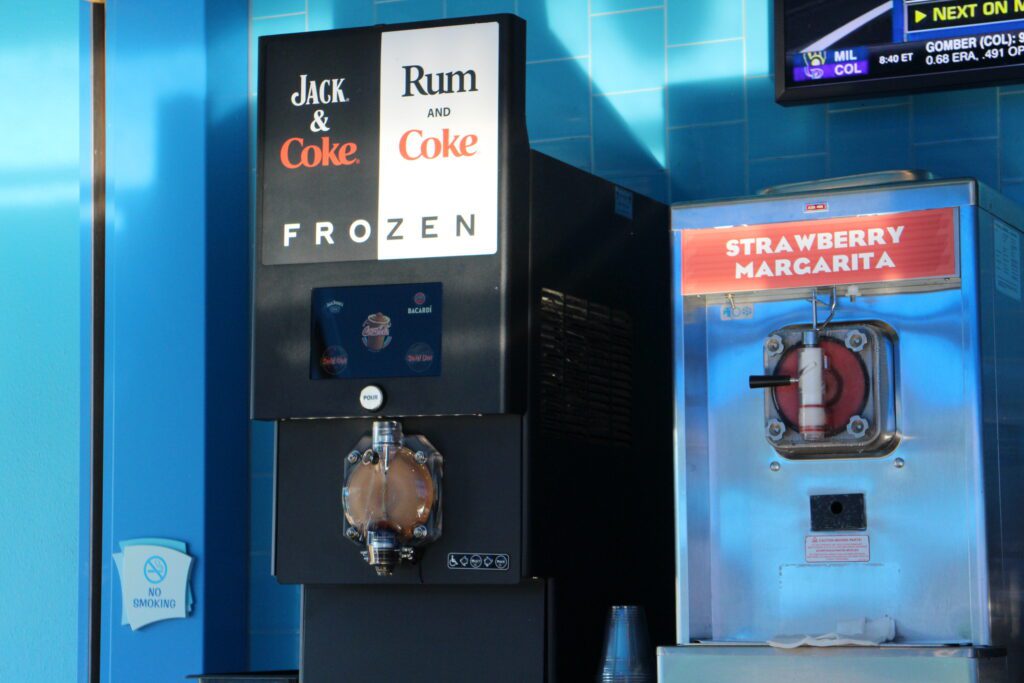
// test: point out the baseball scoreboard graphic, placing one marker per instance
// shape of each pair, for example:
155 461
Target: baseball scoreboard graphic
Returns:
853 48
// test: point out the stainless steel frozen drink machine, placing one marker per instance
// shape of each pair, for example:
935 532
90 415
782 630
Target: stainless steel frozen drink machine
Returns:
849 365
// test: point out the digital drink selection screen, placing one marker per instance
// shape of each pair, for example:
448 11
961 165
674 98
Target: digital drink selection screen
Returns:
376 331
830 42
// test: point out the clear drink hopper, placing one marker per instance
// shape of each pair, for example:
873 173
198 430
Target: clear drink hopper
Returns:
392 495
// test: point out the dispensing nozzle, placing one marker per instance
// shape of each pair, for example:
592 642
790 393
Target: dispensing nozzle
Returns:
810 374
382 552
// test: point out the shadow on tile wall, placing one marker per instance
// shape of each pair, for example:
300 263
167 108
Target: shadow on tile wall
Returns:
672 98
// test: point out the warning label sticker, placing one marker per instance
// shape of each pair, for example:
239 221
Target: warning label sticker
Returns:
837 549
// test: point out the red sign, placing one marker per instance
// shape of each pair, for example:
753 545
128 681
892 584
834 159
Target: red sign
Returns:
834 251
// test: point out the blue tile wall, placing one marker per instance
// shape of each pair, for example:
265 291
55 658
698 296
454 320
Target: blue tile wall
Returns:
565 110
863 138
706 160
706 83
672 98
976 158
1011 139
629 133
777 131
757 38
555 28
698 21
467 8
961 114
608 6
782 170
45 277
575 151
408 10
266 8
621 62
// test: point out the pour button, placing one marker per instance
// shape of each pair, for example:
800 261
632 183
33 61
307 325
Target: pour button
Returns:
371 397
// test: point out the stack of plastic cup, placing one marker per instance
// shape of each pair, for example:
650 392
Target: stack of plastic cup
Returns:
628 655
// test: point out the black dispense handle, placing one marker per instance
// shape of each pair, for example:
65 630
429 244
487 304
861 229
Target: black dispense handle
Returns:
770 381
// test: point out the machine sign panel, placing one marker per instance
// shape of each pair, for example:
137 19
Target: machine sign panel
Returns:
853 250
380 145
438 142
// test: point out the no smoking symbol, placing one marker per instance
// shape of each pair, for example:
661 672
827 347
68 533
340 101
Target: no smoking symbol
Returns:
155 569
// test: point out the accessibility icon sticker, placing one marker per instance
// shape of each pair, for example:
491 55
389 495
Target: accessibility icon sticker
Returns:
480 561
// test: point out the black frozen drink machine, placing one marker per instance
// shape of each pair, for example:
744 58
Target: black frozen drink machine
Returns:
465 346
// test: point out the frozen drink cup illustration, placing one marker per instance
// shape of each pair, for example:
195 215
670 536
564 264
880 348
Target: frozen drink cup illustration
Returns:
377 331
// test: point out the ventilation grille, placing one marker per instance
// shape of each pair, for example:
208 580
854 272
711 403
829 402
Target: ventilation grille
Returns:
586 364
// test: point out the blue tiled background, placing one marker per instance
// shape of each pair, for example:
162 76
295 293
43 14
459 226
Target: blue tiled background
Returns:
672 98
45 286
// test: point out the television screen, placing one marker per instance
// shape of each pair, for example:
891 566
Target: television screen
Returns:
833 49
